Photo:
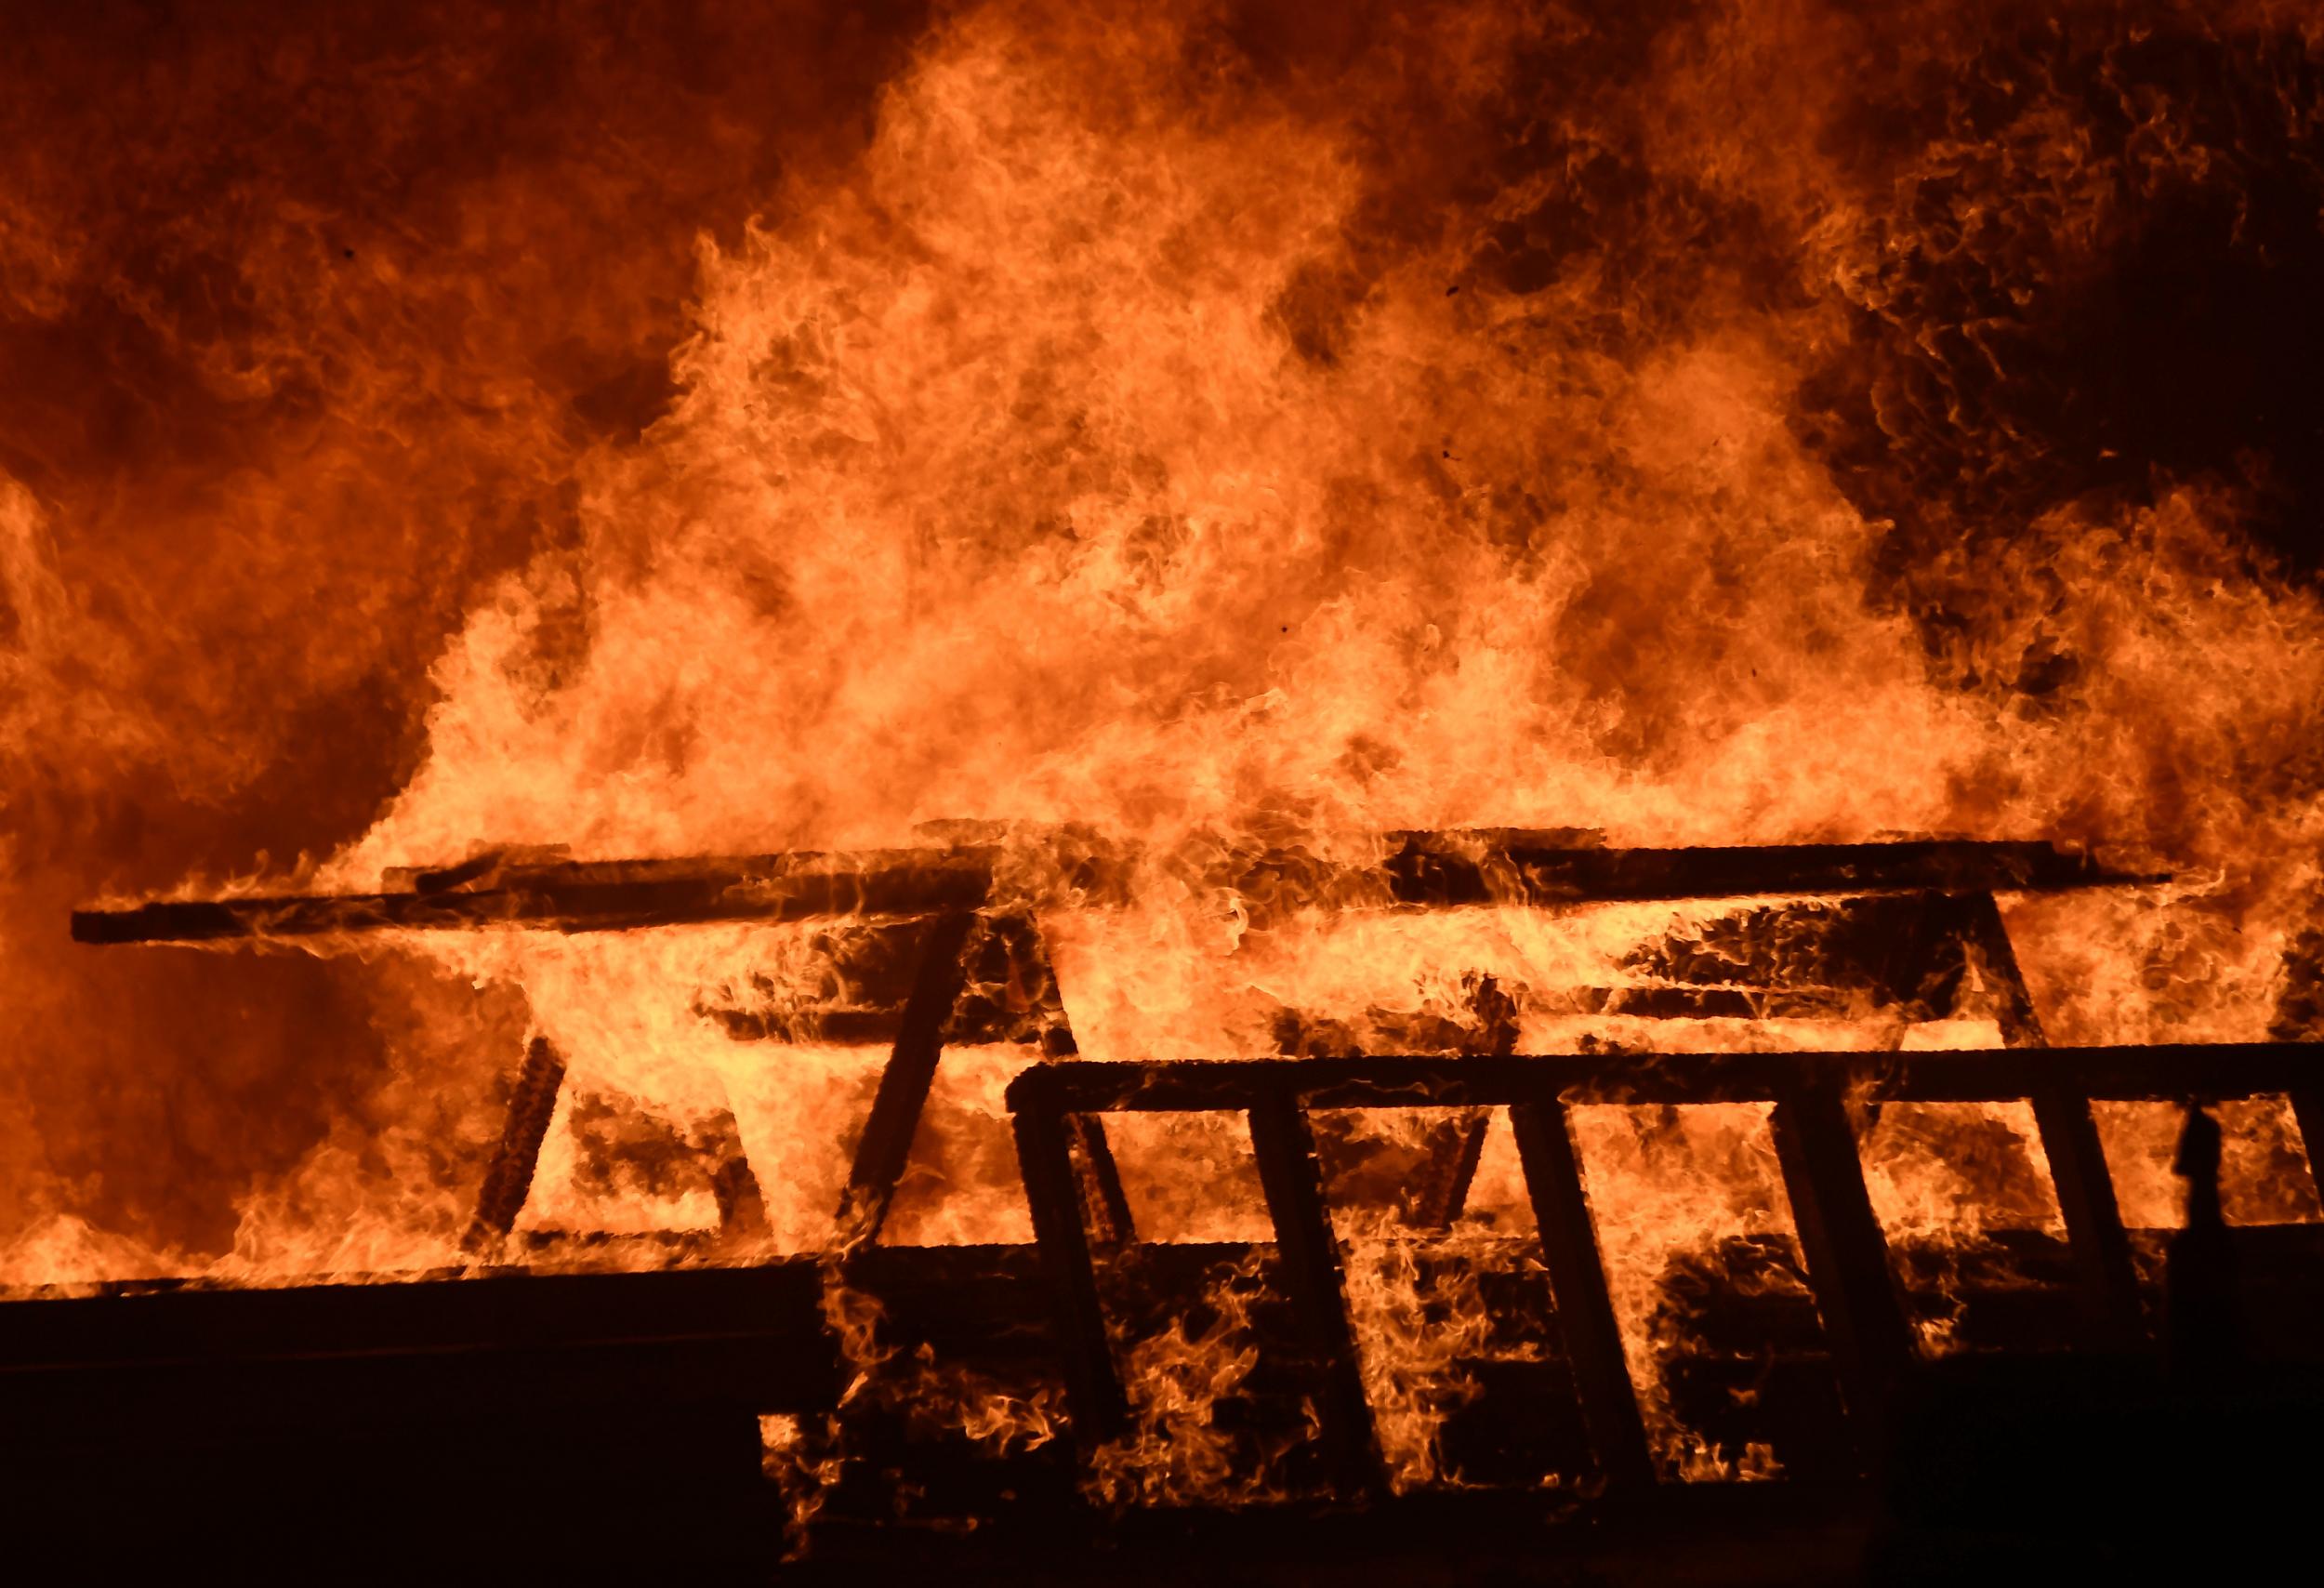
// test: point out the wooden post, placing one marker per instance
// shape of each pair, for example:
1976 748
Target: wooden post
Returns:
2106 1281
1585 1307
1847 1254
1101 1183
508 1179
2307 1112
1044 1157
895 1112
1309 1255
742 1209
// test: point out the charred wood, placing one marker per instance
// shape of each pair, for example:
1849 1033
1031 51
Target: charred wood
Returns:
585 896
508 1179
1585 1308
1419 869
1309 1252
895 1113
1847 1252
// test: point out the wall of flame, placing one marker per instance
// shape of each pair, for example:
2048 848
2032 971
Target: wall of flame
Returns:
745 428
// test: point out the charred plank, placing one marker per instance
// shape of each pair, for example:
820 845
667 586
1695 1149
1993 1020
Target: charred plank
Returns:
508 1179
1416 869
585 896
1847 1252
911 1069
1293 1182
1585 1308
1969 1075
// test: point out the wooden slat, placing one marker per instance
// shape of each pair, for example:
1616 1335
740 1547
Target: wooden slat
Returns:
1433 869
733 1185
1985 934
1847 1254
2307 1112
1044 1157
1440 1187
1307 1254
594 896
1100 1182
1505 866
2106 1279
508 1178
895 1112
2159 1073
1585 1307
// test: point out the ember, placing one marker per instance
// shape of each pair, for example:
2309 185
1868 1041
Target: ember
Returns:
957 787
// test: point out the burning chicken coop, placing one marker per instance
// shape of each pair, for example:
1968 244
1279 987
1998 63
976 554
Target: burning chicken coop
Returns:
1317 793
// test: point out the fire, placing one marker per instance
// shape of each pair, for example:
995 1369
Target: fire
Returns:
1137 444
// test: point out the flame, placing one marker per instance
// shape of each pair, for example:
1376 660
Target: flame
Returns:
1199 431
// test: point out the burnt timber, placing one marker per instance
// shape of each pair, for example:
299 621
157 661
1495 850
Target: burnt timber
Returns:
1822 1344
1430 870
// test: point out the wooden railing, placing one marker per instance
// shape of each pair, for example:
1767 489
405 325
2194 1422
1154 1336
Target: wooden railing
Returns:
1814 1098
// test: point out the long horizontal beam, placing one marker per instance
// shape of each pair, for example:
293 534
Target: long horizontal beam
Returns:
595 896
1513 866
1427 870
1941 1076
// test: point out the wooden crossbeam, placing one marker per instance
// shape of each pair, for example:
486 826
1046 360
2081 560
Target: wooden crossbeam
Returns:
2160 1073
595 896
1417 870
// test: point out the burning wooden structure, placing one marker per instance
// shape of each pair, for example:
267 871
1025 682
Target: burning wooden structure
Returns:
1800 1355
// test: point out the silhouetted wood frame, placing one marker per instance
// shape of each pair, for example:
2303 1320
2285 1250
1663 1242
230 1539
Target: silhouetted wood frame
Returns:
1816 1098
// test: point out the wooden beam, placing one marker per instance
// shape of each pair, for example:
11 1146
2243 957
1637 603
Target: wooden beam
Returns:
895 1112
591 896
1847 1254
2156 1072
1307 1254
2106 1279
1515 866
1105 1201
1044 1157
1419 869
1585 1307
508 1178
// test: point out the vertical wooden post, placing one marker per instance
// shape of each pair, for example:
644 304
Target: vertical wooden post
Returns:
1585 1307
508 1179
1044 1157
1455 1148
2106 1281
1847 1254
1093 1156
1309 1254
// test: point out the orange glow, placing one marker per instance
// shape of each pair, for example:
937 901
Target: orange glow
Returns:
1164 435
